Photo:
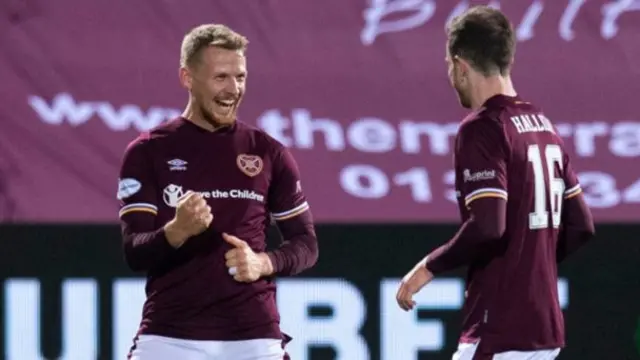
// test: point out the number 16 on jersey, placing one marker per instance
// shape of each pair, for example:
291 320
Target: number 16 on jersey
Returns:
542 161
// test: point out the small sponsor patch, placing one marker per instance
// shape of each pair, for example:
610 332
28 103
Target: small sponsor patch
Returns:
128 187
479 175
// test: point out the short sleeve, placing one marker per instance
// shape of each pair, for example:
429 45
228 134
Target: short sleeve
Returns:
137 189
571 182
286 199
481 161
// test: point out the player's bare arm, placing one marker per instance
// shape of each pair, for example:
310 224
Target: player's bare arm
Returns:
412 283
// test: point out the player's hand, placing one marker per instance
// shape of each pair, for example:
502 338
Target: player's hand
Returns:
243 263
193 216
411 283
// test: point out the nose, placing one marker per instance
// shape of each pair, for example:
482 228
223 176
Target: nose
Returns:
233 86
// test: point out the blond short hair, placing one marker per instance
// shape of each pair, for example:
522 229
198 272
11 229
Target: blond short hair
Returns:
206 35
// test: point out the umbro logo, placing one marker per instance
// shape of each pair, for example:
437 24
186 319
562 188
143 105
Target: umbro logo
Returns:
177 165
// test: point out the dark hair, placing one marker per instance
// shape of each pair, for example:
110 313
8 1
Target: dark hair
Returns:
483 36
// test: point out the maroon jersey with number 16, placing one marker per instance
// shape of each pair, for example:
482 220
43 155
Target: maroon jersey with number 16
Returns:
509 150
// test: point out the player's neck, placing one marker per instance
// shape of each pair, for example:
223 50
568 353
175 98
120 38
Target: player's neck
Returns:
490 87
192 113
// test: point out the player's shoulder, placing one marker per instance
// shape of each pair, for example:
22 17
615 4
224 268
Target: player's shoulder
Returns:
259 136
146 139
139 143
167 129
481 120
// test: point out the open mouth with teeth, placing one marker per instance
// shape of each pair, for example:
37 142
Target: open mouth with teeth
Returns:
225 104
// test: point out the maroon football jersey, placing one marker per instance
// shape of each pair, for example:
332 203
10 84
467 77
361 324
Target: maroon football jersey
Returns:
248 179
508 149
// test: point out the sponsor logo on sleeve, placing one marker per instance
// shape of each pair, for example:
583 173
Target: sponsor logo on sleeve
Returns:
128 187
482 175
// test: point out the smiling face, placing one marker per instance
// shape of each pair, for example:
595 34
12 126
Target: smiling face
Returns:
217 84
213 68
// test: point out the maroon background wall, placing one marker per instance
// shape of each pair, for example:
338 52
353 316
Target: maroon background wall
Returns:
357 89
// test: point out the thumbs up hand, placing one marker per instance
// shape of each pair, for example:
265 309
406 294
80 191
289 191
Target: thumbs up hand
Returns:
243 263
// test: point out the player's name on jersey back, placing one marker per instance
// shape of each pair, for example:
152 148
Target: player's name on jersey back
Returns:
532 123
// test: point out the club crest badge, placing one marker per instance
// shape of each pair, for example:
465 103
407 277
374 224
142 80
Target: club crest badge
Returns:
251 165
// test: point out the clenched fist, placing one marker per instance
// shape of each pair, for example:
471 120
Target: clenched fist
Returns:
243 263
193 216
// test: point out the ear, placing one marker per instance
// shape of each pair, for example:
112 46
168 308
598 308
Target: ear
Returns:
186 78
464 67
